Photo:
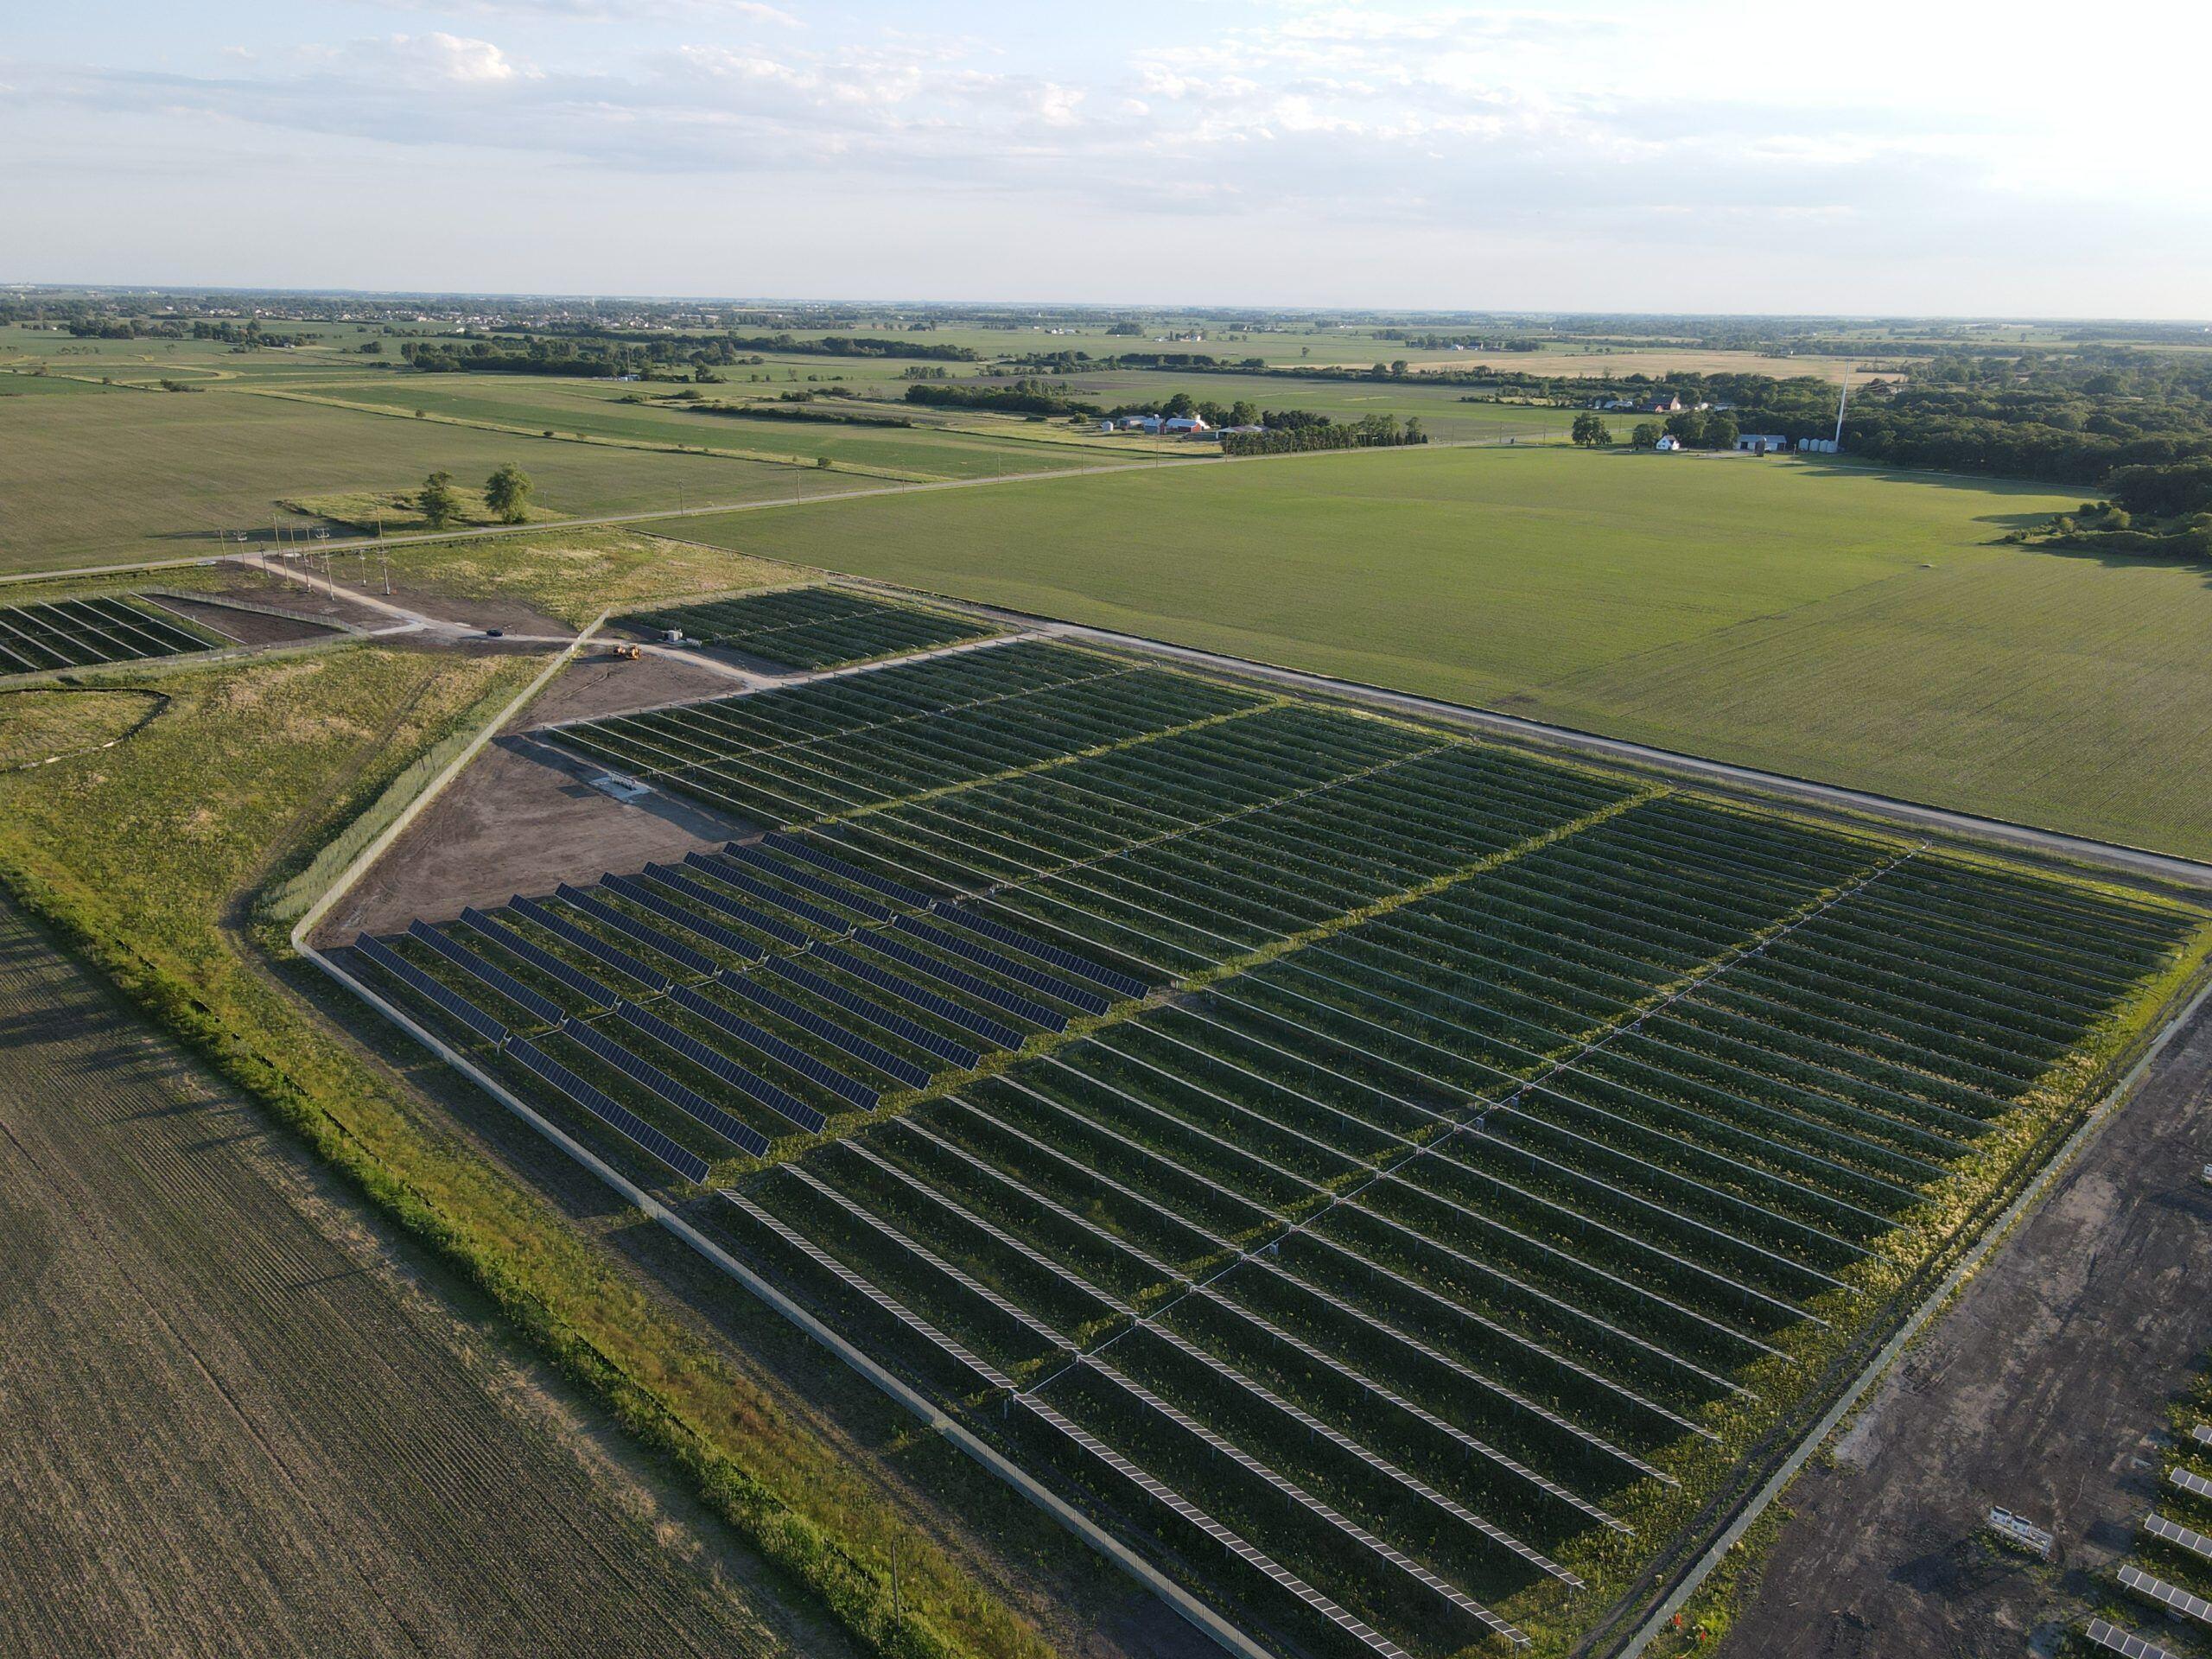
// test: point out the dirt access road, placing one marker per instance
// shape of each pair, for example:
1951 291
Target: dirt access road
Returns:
2043 1388
240 1423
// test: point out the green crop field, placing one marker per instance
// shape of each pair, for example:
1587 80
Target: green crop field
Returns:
1854 625
146 475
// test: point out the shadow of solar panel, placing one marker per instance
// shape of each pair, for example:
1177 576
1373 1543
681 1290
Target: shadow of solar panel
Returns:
498 979
544 961
562 928
639 894
1126 984
676 881
651 938
806 1019
751 1086
995 1031
725 870
688 1164
957 1055
422 985
797 1059
785 870
799 847
1089 1001
1012 1002
685 1099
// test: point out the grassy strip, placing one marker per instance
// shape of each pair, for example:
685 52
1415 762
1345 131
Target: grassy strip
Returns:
151 919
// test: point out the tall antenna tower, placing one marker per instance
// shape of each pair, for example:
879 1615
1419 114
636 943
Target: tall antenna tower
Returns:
1839 403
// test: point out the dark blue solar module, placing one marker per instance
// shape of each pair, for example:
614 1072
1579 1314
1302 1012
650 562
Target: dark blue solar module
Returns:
498 979
646 934
1021 1007
751 1086
713 932
420 983
776 1048
1126 984
991 1031
837 1036
544 961
562 928
688 1164
807 880
676 881
1089 1001
957 1055
682 1097
799 847
723 869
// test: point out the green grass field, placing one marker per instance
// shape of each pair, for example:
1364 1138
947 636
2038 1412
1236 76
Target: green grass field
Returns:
1777 613
146 475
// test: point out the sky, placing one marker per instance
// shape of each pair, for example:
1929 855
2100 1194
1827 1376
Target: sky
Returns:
1937 157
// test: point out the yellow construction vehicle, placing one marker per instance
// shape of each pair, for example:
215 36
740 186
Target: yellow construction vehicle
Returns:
627 653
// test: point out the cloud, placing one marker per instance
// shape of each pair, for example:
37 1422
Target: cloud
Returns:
422 61
611 11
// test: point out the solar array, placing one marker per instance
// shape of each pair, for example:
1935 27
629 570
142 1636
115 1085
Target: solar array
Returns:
811 627
2187 1604
2112 1637
86 632
1375 1166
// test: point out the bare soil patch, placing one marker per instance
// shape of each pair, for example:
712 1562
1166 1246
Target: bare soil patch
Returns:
243 1421
2044 1389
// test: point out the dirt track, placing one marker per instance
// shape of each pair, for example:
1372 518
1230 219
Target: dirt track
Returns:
2043 1388
237 1423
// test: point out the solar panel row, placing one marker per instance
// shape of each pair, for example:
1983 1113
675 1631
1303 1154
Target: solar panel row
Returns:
544 961
799 847
995 1031
957 1055
775 1048
420 983
498 979
748 1084
1126 984
590 944
688 1164
1089 1002
874 1054
622 922
782 870
713 932
680 1096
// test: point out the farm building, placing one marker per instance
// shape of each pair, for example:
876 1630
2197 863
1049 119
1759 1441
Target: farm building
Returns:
1140 422
1191 426
1668 444
1763 443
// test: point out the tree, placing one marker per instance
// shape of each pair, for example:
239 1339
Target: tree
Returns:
1590 432
1720 432
1178 406
439 506
1243 412
1686 426
1398 367
508 493
1414 433
1647 434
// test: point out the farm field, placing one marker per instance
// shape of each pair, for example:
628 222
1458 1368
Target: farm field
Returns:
810 627
1443 415
594 408
1392 1179
1853 625
321 1458
148 475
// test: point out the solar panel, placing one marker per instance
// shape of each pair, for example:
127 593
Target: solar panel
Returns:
684 1099
1126 984
1090 1001
688 1164
2201 1434
562 928
805 1019
810 883
643 932
506 985
544 961
420 983
2117 1641
2195 1484
722 870
953 1054
1021 1007
846 1088
991 1031
2173 1532
800 847
754 1088
2170 1595
713 932
676 881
